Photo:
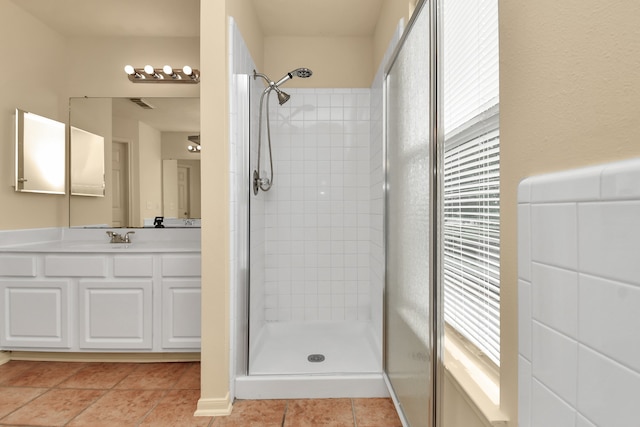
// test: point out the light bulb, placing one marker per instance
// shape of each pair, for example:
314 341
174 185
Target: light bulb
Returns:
187 70
149 69
167 70
129 70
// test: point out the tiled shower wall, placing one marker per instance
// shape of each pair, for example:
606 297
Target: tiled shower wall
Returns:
317 214
579 297
316 238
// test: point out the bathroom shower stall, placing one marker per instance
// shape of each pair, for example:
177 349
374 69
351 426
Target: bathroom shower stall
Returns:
311 315
308 234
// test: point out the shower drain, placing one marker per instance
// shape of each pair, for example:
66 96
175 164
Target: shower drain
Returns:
315 358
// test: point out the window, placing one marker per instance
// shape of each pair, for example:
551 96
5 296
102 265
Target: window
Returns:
471 231
471 197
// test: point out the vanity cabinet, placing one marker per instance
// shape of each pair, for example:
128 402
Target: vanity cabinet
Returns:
181 313
36 314
180 301
100 302
115 315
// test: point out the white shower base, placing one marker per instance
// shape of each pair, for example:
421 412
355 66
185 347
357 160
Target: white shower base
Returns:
279 367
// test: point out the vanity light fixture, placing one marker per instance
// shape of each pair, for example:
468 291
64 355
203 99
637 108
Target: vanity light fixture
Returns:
166 74
196 147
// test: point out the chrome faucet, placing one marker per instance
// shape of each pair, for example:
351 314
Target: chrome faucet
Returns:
118 238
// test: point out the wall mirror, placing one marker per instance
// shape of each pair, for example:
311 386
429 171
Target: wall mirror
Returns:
39 154
148 171
87 163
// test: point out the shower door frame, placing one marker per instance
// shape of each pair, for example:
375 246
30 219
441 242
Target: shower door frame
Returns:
436 160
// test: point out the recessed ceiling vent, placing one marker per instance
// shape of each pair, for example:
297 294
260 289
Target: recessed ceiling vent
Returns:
142 103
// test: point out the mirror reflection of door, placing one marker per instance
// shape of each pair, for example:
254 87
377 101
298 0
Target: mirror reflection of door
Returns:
120 187
183 191
170 188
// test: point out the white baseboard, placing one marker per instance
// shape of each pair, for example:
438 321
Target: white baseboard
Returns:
103 357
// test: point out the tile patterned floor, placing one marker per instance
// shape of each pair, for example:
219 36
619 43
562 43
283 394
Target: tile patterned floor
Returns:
157 394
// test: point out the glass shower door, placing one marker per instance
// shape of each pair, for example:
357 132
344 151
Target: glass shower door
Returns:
410 349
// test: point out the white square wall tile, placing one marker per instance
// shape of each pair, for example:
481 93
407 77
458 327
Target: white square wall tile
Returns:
524 392
554 294
524 319
554 239
621 180
583 422
549 410
609 319
524 191
610 240
524 241
554 361
607 391
573 185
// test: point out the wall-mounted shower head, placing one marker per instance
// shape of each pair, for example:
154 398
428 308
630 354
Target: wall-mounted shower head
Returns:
282 96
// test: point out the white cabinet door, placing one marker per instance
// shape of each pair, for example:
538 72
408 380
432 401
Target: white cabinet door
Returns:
35 314
181 314
115 315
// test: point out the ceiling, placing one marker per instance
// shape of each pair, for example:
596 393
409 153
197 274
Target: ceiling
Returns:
181 18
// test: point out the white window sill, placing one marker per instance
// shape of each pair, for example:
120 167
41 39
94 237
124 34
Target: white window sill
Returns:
474 379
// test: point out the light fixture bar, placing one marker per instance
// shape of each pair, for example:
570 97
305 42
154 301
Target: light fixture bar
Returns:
166 74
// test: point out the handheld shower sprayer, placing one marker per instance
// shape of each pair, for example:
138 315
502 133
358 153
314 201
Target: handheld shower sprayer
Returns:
265 183
298 72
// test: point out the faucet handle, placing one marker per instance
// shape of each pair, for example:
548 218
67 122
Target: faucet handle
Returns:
114 236
126 238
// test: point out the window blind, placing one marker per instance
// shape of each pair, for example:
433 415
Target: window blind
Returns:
471 240
470 58
471 228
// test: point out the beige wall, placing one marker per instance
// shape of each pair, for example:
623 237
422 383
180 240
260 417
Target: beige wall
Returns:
245 16
570 91
214 399
391 13
343 62
126 130
174 145
150 172
335 61
27 50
